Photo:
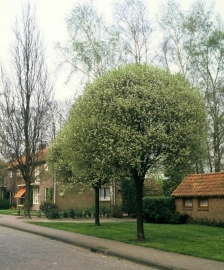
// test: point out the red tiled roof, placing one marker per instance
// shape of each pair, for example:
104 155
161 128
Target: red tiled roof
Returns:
38 157
209 184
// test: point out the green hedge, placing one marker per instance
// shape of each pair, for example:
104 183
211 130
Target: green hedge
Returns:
162 210
4 204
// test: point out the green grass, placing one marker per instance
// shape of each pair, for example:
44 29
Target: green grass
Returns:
200 241
14 212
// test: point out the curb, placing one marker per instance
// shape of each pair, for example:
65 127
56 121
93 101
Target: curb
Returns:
99 249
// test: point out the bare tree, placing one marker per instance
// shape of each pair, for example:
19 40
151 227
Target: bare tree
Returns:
135 28
26 98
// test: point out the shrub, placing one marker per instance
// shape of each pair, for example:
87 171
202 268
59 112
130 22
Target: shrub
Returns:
50 210
162 210
116 211
4 204
87 213
207 222
71 213
128 193
65 214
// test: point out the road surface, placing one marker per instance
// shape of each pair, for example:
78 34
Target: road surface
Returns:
21 251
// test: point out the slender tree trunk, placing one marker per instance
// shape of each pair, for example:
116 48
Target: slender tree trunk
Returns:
27 202
216 143
140 229
97 207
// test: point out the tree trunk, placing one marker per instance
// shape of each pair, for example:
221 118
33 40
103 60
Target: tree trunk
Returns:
27 202
216 145
140 229
97 207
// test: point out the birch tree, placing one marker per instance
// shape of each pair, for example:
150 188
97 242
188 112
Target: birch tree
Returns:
131 19
195 49
94 46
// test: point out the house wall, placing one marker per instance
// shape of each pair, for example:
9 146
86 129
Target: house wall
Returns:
42 186
82 200
11 186
215 208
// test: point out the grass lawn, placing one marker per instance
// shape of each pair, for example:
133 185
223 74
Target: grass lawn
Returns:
14 212
201 241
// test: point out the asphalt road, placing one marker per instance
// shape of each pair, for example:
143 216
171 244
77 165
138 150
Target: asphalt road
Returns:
22 251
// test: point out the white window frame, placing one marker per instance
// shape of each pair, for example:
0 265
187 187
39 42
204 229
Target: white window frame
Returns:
203 203
104 194
36 195
188 203
46 190
37 173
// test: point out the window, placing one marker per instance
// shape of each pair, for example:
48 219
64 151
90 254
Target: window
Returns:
35 195
37 173
18 173
46 193
104 194
45 167
203 203
10 174
188 203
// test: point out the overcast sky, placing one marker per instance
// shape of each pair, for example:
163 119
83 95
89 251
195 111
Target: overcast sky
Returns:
51 19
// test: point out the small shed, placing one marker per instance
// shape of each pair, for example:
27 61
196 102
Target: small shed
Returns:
201 196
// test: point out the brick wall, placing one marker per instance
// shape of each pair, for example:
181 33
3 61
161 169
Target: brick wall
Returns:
78 200
215 209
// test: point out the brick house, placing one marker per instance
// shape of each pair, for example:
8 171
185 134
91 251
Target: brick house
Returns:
44 183
201 196
40 187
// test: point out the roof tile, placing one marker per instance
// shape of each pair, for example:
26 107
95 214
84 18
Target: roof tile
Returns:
209 184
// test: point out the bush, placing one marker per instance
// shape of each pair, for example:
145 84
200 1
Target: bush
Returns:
50 210
4 204
65 214
116 211
207 222
128 193
71 213
162 210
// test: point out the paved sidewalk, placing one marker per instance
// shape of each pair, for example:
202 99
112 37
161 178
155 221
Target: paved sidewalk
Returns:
142 255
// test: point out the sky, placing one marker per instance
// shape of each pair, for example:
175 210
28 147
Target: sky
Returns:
51 16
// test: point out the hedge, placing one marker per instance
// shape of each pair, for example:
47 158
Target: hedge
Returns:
162 210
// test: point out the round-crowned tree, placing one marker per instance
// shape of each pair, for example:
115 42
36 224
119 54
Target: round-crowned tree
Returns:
130 119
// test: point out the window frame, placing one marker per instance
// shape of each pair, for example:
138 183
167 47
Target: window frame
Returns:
185 205
36 195
105 197
46 191
203 207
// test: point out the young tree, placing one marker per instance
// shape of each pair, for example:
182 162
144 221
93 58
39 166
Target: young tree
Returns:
93 46
26 98
78 162
129 120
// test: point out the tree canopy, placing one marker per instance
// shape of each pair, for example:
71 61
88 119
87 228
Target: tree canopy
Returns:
130 119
